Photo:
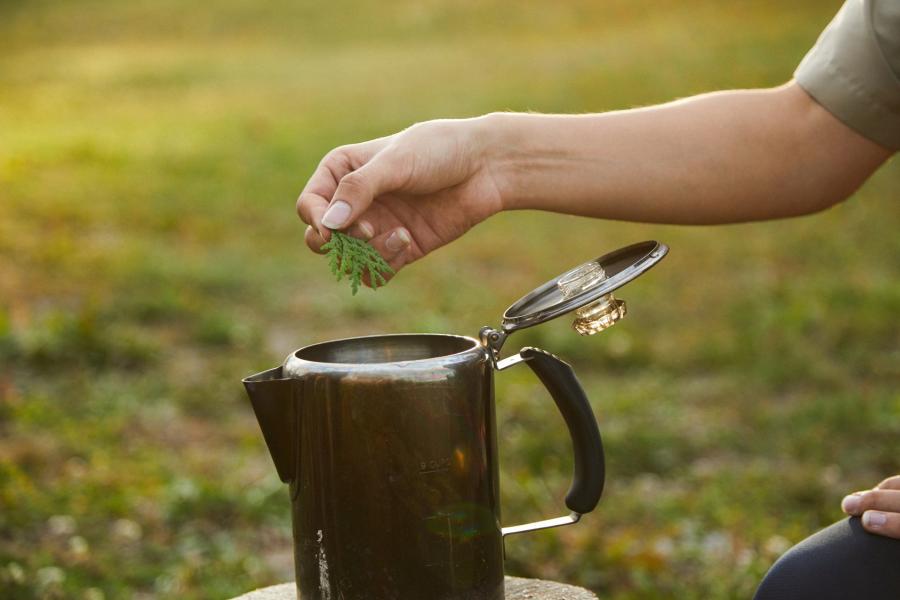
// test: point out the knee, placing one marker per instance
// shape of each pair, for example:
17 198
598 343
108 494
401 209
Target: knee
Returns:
790 577
830 563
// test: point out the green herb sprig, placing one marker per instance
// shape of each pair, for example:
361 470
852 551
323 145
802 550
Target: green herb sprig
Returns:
354 257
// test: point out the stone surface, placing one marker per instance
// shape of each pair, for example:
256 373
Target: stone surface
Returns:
516 589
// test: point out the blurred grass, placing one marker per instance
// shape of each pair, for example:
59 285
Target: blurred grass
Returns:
150 153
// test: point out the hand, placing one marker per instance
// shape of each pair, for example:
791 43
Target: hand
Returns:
879 507
408 194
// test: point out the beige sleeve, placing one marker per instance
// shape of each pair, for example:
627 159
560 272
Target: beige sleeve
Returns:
853 69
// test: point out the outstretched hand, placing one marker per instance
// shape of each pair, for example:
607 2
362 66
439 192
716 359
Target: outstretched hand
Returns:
408 194
878 507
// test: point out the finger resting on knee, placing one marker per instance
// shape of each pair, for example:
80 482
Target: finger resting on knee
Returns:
882 523
891 483
887 500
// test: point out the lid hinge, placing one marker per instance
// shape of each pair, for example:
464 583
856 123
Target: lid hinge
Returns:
493 341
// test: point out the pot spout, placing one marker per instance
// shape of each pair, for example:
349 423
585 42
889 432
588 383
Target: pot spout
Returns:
274 399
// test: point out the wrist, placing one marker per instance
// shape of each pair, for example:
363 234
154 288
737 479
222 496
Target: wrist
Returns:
502 154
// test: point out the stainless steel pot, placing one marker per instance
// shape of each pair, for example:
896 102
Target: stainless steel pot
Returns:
389 444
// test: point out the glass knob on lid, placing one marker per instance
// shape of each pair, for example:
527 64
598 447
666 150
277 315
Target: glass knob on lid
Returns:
598 315
585 290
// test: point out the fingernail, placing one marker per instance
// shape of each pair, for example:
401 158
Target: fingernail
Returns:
365 228
336 215
397 240
850 503
873 518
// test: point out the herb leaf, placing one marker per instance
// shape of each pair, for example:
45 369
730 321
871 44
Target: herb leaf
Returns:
353 257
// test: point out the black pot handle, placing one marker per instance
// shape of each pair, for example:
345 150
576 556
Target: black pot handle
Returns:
590 470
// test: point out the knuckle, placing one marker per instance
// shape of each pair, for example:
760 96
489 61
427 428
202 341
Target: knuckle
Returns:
866 501
427 128
352 184
892 482
334 155
417 128
874 499
340 158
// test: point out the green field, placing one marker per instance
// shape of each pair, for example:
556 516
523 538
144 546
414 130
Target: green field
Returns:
150 156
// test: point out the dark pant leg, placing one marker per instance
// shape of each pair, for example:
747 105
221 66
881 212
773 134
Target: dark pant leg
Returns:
843 561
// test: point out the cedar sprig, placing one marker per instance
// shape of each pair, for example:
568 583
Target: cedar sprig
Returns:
353 257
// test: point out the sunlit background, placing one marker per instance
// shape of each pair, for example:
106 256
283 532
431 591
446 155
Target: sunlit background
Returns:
150 257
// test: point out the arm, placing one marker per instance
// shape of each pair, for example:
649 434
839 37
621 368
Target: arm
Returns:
717 158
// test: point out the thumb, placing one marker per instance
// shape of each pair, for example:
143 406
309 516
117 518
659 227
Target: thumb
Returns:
357 189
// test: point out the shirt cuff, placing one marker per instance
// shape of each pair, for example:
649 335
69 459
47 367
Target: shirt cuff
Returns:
847 74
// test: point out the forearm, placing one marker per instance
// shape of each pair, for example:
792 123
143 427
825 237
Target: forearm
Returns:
717 158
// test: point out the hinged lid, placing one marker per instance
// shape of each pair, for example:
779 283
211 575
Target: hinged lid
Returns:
582 285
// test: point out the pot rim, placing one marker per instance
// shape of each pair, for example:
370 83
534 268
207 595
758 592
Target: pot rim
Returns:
474 347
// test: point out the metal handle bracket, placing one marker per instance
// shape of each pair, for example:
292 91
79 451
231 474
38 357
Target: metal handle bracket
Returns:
569 519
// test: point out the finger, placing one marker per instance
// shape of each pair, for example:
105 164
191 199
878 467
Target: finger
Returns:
356 190
313 239
394 246
858 503
882 523
311 208
318 191
891 483
850 503
888 500
393 243
362 229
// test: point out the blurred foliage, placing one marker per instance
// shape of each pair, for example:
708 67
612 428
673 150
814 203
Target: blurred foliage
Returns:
150 154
